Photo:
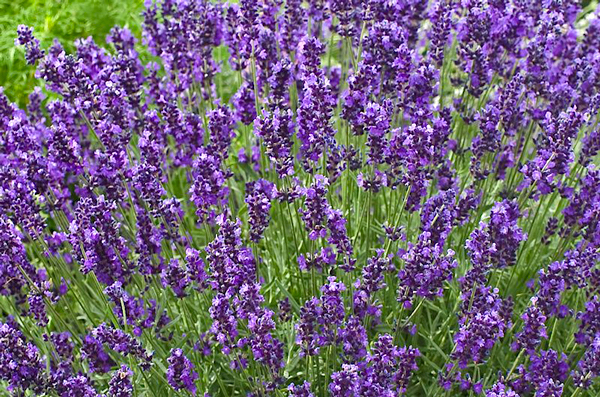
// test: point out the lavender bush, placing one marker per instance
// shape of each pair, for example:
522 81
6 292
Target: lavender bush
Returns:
307 198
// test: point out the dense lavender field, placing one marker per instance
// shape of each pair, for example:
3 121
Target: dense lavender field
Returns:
305 199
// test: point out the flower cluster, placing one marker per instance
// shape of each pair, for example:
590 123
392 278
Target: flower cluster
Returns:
307 198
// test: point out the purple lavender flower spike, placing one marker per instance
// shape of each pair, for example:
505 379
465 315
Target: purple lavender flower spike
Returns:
308 327
345 383
120 342
21 366
534 328
353 338
276 129
300 390
316 208
220 125
390 368
25 37
500 389
245 105
176 277
120 383
426 267
181 374
338 236
259 195
208 190
484 320
79 386
100 248
316 107
588 367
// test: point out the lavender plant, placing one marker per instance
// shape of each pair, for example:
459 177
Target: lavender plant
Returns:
307 198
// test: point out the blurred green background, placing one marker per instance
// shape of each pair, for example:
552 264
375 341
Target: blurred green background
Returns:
65 20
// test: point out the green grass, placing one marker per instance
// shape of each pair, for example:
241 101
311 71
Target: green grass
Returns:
65 20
